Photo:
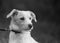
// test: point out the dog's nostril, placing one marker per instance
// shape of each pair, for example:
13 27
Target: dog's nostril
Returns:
30 26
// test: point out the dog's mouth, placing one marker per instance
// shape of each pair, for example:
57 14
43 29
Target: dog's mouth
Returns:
28 29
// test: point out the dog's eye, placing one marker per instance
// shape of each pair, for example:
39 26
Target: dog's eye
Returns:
22 18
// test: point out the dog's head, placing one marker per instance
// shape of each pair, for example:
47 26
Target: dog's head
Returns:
22 19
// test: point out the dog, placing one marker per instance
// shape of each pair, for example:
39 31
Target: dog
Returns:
21 26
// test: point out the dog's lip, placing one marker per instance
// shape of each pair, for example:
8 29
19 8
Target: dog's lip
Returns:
28 29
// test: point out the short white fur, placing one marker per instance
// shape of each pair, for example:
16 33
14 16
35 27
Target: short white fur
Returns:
21 25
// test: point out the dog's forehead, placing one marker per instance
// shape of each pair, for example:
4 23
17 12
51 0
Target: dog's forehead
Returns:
24 14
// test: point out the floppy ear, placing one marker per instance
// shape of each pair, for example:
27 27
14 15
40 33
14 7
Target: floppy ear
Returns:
33 16
12 13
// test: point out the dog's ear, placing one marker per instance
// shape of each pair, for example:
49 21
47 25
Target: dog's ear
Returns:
12 13
33 16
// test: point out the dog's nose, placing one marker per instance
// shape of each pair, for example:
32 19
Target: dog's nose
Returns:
30 26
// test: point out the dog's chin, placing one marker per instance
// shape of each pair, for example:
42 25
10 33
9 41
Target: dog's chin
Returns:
28 29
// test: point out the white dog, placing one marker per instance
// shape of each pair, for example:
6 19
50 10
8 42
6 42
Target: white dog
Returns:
21 26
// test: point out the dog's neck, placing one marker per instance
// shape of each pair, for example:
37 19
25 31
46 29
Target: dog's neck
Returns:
20 32
14 36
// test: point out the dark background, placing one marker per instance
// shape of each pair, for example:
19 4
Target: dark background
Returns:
46 30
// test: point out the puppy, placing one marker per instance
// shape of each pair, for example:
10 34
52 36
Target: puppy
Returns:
21 26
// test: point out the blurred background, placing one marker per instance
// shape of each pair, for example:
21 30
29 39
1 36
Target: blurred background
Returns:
46 30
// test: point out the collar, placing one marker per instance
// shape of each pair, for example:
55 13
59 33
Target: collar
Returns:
10 30
16 31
